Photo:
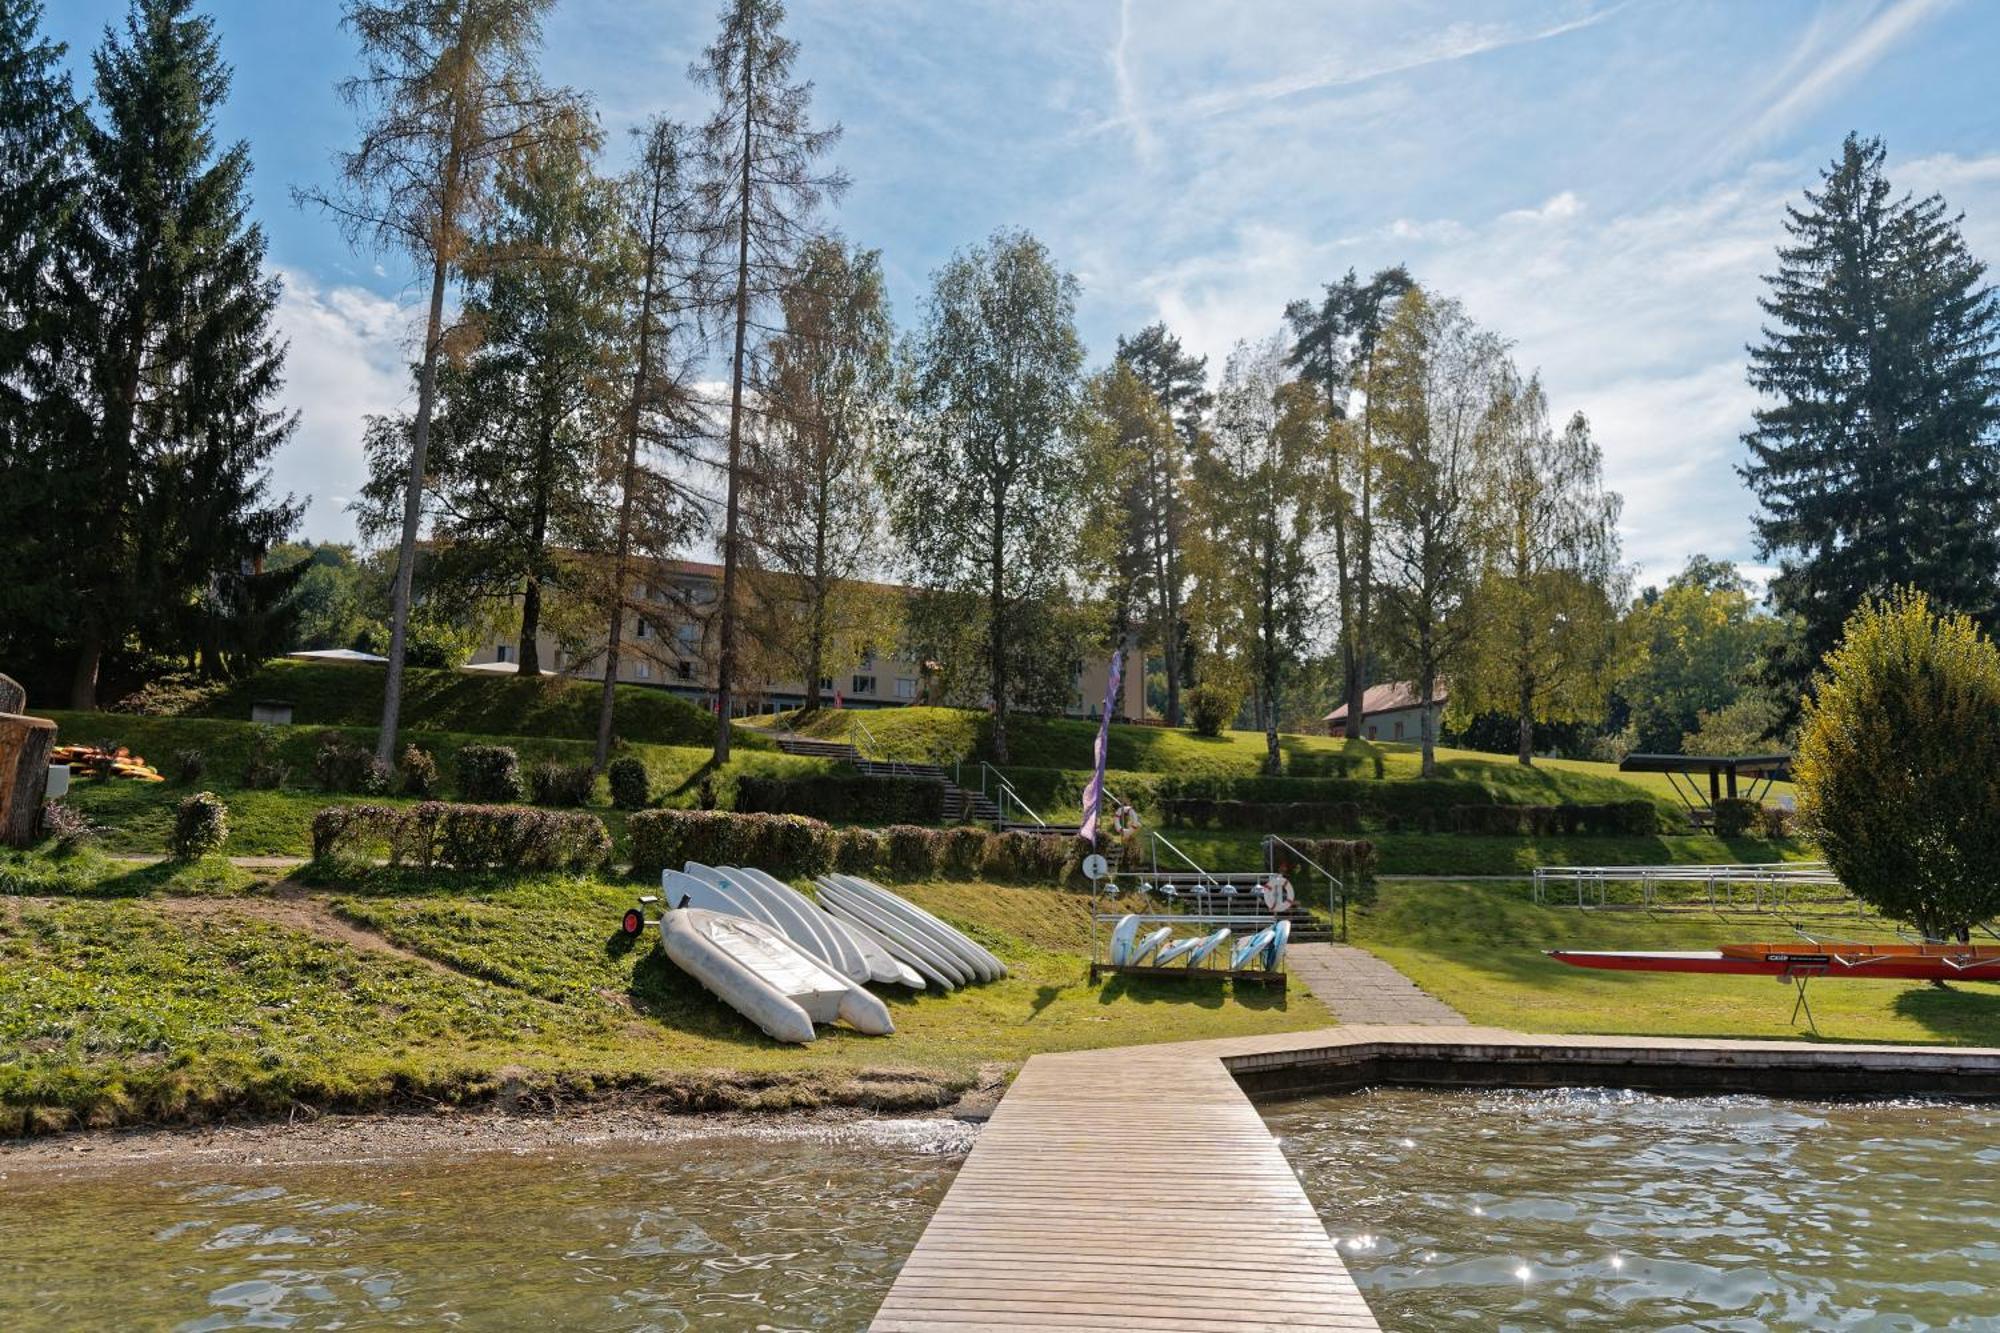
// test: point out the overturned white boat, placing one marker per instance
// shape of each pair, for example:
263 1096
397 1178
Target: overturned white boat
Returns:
754 969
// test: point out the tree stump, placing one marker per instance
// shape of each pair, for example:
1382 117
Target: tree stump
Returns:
13 699
25 743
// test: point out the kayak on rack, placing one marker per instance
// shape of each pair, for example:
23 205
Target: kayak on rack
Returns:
1897 962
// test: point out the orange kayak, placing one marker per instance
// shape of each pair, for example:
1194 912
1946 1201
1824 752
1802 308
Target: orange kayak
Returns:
1899 962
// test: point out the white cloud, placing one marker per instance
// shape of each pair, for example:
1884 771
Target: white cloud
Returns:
348 357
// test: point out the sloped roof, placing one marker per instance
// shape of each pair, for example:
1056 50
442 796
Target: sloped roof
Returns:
1389 698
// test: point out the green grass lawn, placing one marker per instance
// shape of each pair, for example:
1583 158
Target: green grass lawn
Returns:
1479 948
185 993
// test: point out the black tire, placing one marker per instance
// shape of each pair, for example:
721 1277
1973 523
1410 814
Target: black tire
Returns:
634 922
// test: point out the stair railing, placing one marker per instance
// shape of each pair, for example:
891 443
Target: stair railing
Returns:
1336 889
1002 793
896 766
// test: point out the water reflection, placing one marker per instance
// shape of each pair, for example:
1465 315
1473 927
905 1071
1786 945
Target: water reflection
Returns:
778 1227
1624 1210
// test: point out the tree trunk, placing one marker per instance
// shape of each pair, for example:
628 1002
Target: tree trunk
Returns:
1527 705
1426 726
25 743
996 634
725 672
1364 556
413 504
531 629
83 680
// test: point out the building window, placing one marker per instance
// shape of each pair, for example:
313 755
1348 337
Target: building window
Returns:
689 638
863 685
1371 731
826 682
644 630
906 687
1399 731
500 651
644 671
686 670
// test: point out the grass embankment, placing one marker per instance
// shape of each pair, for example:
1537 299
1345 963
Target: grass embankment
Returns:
136 816
1479 948
367 989
339 694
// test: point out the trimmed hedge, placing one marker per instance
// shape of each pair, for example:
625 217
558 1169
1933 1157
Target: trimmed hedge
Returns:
1298 816
201 826
553 783
1353 860
1734 816
1485 817
463 837
489 773
858 800
631 789
794 846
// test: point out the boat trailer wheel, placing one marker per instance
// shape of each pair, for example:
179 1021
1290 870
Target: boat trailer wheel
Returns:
634 922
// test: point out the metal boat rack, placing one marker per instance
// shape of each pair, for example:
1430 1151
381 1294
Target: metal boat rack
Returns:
1765 887
1217 899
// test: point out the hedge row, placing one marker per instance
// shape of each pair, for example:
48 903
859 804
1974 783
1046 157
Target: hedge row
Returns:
1353 860
1613 817
794 845
1399 797
856 800
463 837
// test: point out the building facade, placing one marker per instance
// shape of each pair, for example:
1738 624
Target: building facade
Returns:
1391 713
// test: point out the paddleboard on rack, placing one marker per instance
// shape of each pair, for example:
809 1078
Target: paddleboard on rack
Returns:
1122 936
1148 944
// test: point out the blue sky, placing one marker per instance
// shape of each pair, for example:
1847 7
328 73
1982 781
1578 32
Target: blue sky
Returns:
1602 183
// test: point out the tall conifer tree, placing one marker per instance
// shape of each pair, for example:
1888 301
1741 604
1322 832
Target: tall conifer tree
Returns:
1877 465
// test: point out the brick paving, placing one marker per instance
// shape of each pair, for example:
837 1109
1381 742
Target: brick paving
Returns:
1361 988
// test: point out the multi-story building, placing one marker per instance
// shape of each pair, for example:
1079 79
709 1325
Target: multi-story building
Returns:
673 651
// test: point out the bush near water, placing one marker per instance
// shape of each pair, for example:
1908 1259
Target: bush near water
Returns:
462 837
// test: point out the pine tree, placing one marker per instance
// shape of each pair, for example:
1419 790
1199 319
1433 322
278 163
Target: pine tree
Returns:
172 360
1878 465
448 89
1129 441
513 476
761 188
1180 383
812 512
1333 349
984 489
38 180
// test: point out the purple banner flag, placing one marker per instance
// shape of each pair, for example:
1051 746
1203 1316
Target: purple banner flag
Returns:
1093 795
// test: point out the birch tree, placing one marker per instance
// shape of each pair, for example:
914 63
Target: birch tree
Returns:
1438 382
448 88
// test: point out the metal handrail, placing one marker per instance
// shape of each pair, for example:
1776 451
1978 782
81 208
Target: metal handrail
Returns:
1770 883
1161 840
1333 881
1007 793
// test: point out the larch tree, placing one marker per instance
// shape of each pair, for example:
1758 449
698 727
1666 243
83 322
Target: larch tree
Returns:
984 487
812 511
653 450
1256 486
448 88
761 185
1333 349
1438 386
512 478
1180 382
1549 603
1877 460
168 360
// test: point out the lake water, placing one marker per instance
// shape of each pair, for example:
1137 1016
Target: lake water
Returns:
1618 1210
788 1227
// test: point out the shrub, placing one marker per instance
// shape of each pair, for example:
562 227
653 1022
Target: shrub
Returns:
463 837
171 696
189 766
781 844
856 850
264 771
69 826
791 845
631 789
859 800
341 765
1897 757
552 783
489 773
1774 822
1210 709
419 772
1353 861
1733 816
201 826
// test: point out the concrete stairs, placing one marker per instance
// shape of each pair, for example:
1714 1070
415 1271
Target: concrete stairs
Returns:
960 805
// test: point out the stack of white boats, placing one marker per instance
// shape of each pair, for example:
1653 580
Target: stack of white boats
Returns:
787 963
1131 949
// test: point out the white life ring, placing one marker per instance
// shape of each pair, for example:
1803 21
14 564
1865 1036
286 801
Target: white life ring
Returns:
1278 895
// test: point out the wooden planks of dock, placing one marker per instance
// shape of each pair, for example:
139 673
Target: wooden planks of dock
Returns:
1132 1189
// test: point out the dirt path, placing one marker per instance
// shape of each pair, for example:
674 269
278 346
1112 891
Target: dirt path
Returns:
298 911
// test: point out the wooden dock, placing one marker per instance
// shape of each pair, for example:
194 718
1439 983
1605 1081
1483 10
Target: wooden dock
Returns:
1138 1189
1131 1189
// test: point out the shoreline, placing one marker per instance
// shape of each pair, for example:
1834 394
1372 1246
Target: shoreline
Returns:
384 1136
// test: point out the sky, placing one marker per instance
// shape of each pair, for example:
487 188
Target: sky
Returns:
1602 182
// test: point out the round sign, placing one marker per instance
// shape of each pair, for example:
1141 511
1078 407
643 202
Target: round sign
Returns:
1095 866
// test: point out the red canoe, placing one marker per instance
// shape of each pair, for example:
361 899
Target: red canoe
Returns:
1899 962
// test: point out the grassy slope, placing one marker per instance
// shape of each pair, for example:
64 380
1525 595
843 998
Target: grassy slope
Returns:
137 815
170 1007
350 695
1479 948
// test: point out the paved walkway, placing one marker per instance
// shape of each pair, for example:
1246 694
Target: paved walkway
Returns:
1361 988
